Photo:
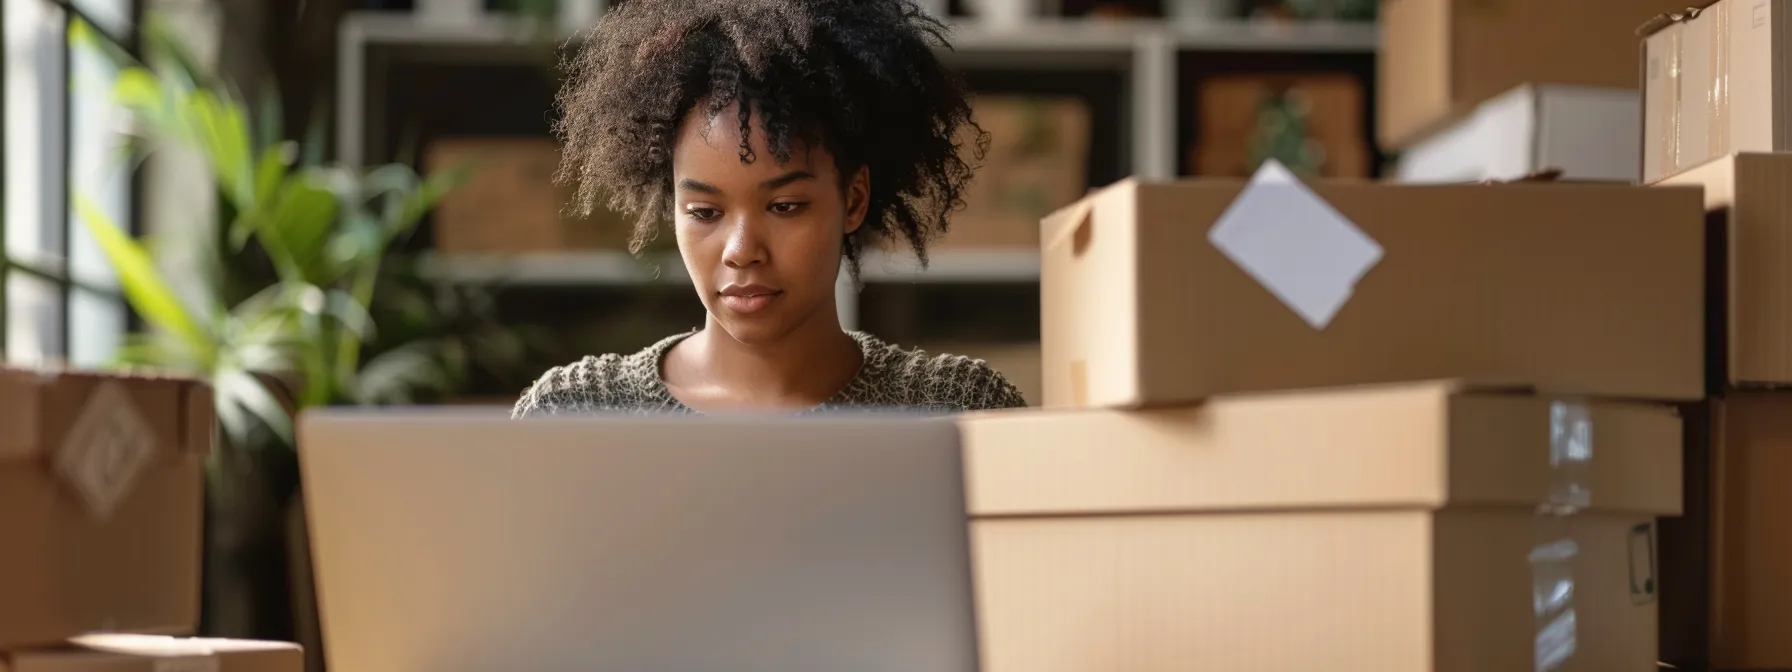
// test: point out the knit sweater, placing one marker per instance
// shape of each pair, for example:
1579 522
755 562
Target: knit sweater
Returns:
890 378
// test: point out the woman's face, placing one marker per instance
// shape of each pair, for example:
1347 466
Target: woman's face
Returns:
762 241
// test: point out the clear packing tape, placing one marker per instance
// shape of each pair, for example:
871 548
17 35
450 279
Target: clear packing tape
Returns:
1553 558
1697 46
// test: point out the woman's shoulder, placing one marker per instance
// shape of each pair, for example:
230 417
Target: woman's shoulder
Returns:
598 383
914 378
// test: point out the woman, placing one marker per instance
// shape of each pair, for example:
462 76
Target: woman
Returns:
779 137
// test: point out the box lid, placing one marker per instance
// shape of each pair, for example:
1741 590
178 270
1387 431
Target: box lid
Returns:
1422 445
1665 19
44 406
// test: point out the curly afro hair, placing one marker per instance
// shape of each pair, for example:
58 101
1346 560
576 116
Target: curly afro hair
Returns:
859 77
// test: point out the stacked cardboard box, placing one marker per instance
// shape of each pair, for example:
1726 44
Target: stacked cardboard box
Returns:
1715 116
1344 426
101 510
1496 90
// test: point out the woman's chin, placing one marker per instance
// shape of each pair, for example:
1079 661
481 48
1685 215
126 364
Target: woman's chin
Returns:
757 329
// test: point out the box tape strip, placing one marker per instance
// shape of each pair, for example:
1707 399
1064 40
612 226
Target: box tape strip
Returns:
1552 559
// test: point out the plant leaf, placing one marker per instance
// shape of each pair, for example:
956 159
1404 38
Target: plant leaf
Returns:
297 230
394 376
244 390
224 129
428 193
148 292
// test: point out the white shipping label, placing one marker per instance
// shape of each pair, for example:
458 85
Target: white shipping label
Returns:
1295 244
105 449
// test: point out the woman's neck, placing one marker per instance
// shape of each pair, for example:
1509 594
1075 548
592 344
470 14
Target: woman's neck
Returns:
803 369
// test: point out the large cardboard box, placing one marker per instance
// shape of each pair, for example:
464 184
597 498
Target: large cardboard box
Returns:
1586 288
101 504
1714 83
1441 58
1386 528
1588 133
1241 117
1751 291
1037 162
1751 531
510 203
129 653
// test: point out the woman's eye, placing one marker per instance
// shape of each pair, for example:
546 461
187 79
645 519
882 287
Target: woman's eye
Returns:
704 214
788 207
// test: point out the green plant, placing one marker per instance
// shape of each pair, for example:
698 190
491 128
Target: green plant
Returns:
296 338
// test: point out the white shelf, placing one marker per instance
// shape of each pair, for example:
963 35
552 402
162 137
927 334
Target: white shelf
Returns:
1055 34
953 266
619 269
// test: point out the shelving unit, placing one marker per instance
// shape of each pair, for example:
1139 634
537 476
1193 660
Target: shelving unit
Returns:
1139 57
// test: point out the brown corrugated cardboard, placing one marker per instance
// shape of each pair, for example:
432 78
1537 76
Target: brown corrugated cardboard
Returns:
147 654
1748 196
1441 58
1373 528
1420 445
1037 162
1592 289
1370 591
101 487
1751 531
511 203
1714 83
1685 552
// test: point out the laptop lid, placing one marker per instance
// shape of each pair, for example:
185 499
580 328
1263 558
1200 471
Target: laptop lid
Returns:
457 540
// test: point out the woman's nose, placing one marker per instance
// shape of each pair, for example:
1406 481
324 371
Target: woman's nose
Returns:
746 245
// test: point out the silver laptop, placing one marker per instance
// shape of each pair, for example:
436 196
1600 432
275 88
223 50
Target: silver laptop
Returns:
456 540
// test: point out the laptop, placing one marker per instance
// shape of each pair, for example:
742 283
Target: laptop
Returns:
456 540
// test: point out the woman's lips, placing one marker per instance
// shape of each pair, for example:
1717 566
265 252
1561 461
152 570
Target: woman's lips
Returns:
749 301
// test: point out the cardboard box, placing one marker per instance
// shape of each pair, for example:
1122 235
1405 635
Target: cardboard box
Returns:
511 204
1585 288
1238 113
1037 162
1588 133
129 653
101 504
1752 291
1685 552
1715 83
1751 531
1376 528
1439 59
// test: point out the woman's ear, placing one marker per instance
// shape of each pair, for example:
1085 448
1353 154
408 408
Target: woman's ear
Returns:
858 198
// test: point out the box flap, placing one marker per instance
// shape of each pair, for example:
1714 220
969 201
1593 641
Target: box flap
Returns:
1665 19
1418 445
43 406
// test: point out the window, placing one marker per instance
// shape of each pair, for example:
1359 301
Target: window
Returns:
58 297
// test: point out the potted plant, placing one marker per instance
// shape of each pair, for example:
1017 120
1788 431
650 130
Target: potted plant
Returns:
307 264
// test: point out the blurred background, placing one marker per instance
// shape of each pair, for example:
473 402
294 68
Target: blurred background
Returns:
319 202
